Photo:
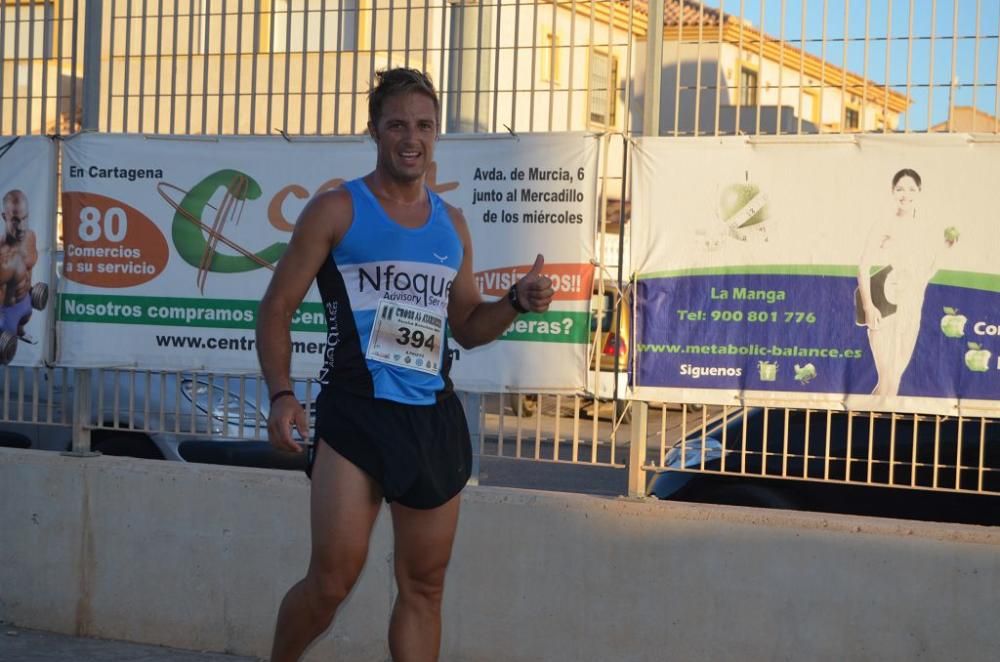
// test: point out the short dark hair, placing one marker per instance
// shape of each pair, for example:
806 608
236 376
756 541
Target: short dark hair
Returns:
401 80
906 172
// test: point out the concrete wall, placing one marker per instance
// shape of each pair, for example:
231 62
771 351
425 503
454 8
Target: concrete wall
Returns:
199 556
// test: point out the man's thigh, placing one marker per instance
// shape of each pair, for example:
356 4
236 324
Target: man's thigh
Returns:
423 541
344 504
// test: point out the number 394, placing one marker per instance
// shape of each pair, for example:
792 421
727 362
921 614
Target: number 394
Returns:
415 338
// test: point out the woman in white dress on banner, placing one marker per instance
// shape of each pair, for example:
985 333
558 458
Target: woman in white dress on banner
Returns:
899 259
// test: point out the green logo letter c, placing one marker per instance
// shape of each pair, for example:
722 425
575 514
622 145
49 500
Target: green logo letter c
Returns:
195 240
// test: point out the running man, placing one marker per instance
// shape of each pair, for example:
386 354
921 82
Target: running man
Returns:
393 263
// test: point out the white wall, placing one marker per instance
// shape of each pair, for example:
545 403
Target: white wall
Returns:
199 556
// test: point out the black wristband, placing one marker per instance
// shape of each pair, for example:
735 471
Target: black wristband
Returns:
281 394
514 301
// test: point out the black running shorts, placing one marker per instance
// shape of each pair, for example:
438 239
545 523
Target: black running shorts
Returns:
420 455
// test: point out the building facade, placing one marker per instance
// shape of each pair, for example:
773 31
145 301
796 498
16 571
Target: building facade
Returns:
304 66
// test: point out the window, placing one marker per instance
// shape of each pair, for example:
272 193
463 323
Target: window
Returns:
748 86
298 25
470 68
549 58
602 104
811 109
211 27
852 119
27 29
193 27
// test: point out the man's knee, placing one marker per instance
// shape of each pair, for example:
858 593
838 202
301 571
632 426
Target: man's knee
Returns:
425 584
328 589
333 572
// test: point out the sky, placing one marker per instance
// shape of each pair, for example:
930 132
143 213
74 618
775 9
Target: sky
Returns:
908 47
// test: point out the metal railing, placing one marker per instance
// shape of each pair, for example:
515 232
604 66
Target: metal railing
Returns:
730 66
906 451
304 66
34 395
857 448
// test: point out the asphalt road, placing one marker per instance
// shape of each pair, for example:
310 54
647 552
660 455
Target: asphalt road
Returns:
21 645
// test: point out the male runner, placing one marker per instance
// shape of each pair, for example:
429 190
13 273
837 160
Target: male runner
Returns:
393 263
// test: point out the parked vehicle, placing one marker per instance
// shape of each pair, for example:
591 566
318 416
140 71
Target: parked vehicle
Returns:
174 416
859 464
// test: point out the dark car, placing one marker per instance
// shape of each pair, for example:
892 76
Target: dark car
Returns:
916 467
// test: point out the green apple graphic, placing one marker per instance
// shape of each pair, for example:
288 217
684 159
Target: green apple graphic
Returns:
806 373
977 359
741 207
735 199
953 324
768 370
951 235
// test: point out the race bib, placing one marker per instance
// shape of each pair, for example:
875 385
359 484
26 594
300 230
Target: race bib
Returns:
406 336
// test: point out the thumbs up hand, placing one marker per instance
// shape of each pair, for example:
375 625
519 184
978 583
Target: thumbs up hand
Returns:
534 291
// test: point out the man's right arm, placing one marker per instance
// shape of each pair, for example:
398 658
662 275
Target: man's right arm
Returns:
318 229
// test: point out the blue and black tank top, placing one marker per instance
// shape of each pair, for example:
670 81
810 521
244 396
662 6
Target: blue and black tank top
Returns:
385 292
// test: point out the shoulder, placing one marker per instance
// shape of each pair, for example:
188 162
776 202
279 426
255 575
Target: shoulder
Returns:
328 213
333 202
458 221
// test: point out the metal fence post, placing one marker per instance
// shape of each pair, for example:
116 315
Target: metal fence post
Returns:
637 450
81 415
92 38
472 403
654 66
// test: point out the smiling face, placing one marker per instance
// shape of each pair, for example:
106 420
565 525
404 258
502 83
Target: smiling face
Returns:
15 215
906 192
405 134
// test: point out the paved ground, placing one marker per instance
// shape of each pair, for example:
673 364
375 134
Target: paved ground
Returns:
19 645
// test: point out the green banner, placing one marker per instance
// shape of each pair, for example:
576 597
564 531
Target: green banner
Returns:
178 311
559 326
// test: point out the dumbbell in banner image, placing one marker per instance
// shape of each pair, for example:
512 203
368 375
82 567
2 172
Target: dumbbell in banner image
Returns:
14 317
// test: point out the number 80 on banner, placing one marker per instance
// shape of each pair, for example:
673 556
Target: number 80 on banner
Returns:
110 243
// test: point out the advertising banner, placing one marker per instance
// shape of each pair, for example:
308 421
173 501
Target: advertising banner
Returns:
846 273
521 197
28 188
170 245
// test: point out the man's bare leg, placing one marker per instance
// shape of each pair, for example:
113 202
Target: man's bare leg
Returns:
423 540
344 503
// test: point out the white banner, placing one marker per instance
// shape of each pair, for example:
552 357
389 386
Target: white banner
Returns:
834 273
28 188
520 197
170 244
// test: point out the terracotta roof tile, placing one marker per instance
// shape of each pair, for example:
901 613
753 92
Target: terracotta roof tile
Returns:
689 13
682 12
